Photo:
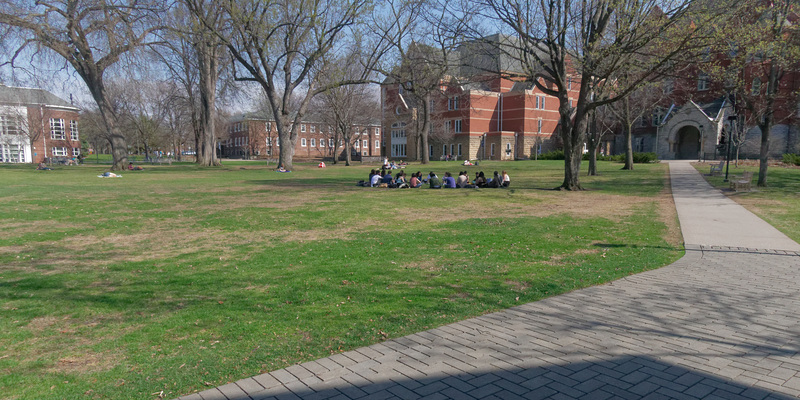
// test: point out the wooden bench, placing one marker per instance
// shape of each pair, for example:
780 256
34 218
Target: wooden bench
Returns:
742 182
716 170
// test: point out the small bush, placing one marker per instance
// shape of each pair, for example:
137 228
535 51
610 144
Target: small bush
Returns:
791 159
553 155
644 158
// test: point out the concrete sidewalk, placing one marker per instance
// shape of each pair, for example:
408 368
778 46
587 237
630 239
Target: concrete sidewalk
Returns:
710 218
722 323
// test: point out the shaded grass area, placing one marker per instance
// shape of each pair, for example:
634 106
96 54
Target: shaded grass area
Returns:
778 203
178 278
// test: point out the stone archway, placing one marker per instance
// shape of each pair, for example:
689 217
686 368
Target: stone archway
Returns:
688 144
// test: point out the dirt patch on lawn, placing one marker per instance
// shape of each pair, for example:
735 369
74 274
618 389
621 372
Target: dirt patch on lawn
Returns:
85 362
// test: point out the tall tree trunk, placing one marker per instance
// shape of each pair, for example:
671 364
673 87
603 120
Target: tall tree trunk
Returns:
119 146
627 126
207 57
766 127
573 133
426 128
593 142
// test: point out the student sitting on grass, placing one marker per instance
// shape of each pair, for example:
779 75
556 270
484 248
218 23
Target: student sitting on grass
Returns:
387 179
496 181
132 168
415 181
506 179
375 180
434 181
449 181
480 181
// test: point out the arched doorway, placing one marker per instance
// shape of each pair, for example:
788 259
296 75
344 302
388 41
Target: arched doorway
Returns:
688 143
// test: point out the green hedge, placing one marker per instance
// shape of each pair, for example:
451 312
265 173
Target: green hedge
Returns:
791 159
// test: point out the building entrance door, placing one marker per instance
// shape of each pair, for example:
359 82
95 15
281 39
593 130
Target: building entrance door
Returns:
688 143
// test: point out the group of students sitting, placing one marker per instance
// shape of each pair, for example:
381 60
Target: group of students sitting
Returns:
383 178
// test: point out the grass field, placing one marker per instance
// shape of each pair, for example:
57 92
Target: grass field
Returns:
177 278
778 203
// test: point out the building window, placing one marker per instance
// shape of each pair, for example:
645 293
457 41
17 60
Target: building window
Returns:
399 89
322 143
313 128
73 130
365 144
269 141
303 142
446 126
377 131
330 142
313 142
57 129
569 83
9 125
452 103
59 152
357 144
539 126
398 110
76 151
508 147
457 126
444 149
11 153
377 144
492 152
452 147
702 81
302 127
398 150
430 151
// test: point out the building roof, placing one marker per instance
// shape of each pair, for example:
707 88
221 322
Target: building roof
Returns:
27 96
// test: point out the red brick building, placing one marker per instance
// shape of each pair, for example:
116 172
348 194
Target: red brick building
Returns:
254 135
474 115
35 126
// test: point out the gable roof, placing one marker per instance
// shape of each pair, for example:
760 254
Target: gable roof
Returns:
27 96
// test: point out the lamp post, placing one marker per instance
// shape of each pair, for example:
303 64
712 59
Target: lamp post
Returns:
732 119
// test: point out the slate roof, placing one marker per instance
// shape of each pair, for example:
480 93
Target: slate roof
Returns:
28 96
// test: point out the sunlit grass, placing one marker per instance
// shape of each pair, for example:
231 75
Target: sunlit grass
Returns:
178 277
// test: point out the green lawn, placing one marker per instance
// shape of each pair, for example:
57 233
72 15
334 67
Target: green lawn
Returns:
778 203
178 278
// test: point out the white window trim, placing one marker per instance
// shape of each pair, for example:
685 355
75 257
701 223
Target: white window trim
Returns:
303 142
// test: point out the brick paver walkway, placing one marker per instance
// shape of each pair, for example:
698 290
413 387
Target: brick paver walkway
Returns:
721 323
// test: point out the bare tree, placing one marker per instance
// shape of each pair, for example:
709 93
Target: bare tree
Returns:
280 45
596 40
635 107
144 108
421 39
758 46
347 107
92 37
